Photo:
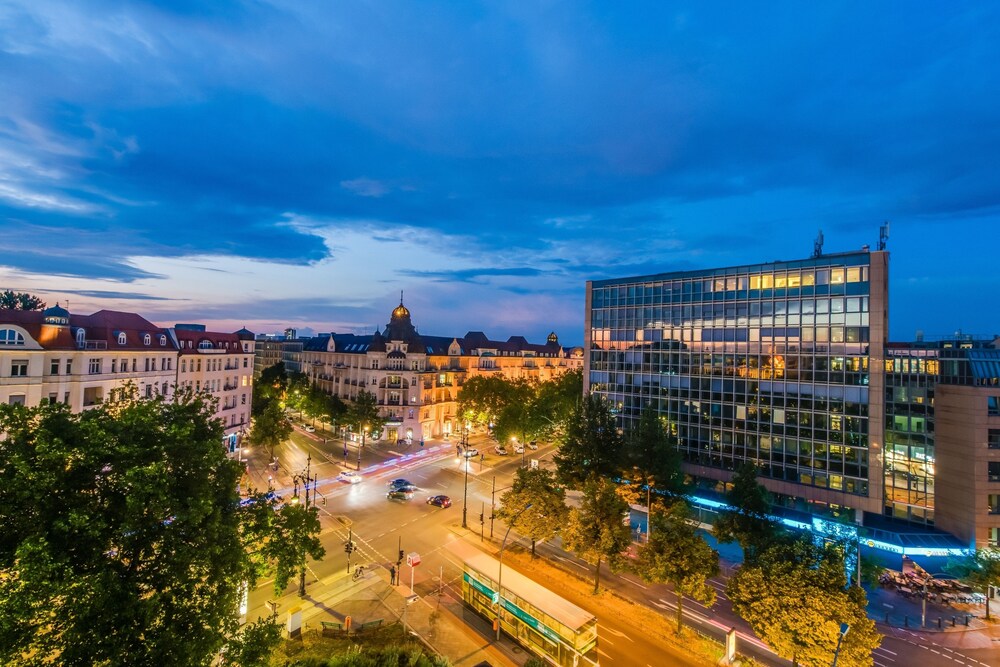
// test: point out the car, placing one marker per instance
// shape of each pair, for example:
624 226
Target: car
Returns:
399 482
470 452
409 488
518 448
533 445
310 429
440 501
349 476
500 450
399 494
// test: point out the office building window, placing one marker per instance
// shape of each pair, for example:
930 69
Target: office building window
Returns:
19 368
993 406
993 471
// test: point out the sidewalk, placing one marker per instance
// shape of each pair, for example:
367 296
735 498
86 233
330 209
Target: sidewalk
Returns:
441 624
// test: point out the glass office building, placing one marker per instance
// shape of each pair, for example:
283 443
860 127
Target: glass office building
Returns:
781 364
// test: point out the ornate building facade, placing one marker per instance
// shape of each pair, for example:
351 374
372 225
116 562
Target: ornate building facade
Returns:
417 379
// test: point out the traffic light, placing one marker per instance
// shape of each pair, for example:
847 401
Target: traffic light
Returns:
481 517
400 560
348 547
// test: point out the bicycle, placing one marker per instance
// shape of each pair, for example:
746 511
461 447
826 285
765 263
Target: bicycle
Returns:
359 572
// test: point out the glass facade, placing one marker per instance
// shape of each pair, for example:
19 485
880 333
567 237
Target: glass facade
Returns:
767 363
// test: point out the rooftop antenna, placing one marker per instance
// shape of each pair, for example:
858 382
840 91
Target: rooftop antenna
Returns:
883 235
818 245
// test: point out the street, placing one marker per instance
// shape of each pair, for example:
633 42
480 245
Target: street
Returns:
381 528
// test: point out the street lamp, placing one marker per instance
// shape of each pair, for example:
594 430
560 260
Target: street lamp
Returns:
364 434
304 479
844 627
500 558
465 491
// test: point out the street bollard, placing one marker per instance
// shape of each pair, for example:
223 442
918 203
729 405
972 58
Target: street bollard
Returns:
906 621
939 623
952 621
887 618
967 617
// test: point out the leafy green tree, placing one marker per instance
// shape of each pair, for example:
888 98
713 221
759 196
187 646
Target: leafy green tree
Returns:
981 570
678 555
252 645
748 522
362 412
548 511
121 534
655 461
795 597
483 397
297 391
593 446
554 403
270 428
11 300
273 380
294 537
596 531
514 418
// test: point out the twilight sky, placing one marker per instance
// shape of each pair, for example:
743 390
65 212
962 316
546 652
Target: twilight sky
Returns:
298 162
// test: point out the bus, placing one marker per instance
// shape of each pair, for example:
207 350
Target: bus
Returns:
547 625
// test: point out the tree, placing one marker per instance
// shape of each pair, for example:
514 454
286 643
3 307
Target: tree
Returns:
677 554
294 536
514 417
595 531
655 461
121 534
270 428
747 522
273 380
795 597
253 644
593 446
483 397
548 511
981 570
364 412
554 403
11 300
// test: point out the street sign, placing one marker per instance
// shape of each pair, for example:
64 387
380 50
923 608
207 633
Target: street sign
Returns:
534 463
413 559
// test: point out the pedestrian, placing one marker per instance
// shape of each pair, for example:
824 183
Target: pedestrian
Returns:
392 575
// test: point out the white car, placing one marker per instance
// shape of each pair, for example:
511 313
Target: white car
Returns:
470 452
349 476
310 429
500 450
518 448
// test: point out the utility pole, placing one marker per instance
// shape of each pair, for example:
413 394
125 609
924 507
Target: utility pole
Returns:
493 504
306 480
465 491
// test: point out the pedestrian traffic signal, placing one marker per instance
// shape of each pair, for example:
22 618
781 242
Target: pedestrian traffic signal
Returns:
480 517
348 547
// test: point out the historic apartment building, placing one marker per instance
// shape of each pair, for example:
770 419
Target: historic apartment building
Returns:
83 360
787 365
416 378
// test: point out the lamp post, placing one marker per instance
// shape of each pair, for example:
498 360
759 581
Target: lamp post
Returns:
500 558
304 479
364 434
844 627
343 431
465 490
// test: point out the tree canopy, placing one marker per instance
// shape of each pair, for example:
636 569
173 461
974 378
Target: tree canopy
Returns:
11 300
593 446
597 530
362 412
748 522
271 427
678 555
122 534
795 597
548 512
652 460
980 570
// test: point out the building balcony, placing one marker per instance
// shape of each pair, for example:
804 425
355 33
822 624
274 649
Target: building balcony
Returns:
92 345
230 387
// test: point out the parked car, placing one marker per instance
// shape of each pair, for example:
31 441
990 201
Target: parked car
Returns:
310 429
500 450
399 494
533 445
470 452
349 476
440 501
518 448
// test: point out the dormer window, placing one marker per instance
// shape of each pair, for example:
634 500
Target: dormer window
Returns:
121 338
147 339
163 340
81 337
205 345
11 337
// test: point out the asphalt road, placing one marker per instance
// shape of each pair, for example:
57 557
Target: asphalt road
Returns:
380 528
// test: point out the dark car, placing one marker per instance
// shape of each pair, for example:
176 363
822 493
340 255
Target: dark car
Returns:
400 482
406 486
399 494
440 501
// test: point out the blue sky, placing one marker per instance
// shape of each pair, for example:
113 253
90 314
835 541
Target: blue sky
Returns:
300 163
